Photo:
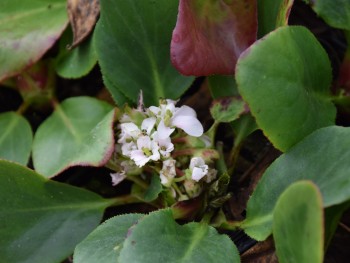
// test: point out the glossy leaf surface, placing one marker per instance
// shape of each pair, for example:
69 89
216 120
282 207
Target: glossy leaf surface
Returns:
298 224
288 93
210 35
322 158
42 219
158 238
79 132
137 36
28 29
106 241
16 138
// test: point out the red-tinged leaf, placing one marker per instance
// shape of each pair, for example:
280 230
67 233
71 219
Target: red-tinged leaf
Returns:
210 35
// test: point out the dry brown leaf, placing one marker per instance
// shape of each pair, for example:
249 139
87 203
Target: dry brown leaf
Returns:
82 16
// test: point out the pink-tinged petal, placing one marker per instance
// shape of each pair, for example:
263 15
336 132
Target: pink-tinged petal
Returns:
163 131
144 142
117 177
210 35
189 124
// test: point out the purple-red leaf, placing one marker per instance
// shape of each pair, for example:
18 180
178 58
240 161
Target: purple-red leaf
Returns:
210 35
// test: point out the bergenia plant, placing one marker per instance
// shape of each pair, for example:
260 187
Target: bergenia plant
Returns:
174 131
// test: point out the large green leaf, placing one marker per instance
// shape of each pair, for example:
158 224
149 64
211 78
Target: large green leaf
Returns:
298 224
287 92
158 238
323 157
79 132
335 12
43 220
28 29
106 241
15 138
133 47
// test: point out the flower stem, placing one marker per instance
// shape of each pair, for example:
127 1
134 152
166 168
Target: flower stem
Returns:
124 200
231 225
138 181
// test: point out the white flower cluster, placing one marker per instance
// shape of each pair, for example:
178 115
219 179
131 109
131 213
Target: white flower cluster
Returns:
151 140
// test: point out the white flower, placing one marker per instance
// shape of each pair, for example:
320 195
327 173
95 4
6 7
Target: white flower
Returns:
128 147
185 118
168 172
128 131
165 145
146 150
170 116
199 168
117 177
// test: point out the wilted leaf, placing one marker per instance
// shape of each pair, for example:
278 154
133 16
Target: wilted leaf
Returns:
227 109
210 35
28 29
83 15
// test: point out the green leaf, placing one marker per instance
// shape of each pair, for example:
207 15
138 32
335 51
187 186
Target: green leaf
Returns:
288 93
132 42
79 132
16 138
298 224
158 238
323 157
222 86
154 189
28 29
243 127
42 219
227 109
106 241
76 62
335 12
272 14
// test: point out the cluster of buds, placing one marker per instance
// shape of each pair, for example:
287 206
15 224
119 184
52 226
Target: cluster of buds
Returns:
154 138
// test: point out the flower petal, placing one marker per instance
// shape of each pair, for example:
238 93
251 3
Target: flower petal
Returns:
189 124
117 177
198 173
185 111
163 131
148 124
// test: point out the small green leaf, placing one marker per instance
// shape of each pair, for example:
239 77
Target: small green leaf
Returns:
227 109
106 241
16 138
28 29
335 12
43 220
154 189
158 238
288 93
298 224
132 41
79 132
323 157
75 62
